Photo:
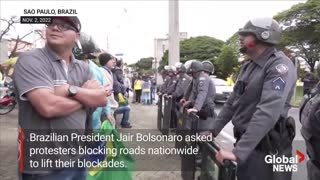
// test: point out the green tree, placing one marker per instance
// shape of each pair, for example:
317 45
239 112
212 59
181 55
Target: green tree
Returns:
201 48
145 63
302 30
164 61
88 46
143 66
226 63
234 43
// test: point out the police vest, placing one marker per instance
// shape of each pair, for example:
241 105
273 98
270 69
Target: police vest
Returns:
310 114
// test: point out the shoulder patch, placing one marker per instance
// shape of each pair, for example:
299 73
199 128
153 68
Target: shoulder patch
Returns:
282 68
201 84
278 84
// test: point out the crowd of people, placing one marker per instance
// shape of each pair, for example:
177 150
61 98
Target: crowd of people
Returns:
144 90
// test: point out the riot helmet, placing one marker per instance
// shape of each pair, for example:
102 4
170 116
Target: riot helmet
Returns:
208 67
187 65
182 69
265 30
196 66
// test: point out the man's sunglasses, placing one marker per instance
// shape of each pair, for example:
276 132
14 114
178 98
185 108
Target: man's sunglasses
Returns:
62 26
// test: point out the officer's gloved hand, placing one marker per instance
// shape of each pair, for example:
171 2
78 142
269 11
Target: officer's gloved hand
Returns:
225 155
192 110
206 134
186 104
182 101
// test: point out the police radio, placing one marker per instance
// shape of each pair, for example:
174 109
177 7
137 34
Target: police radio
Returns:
77 50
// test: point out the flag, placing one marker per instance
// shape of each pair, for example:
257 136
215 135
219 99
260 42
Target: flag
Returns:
113 173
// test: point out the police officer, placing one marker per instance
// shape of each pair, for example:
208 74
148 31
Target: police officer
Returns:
259 105
311 132
309 81
171 82
187 91
118 72
182 84
208 67
118 80
198 100
201 98
166 79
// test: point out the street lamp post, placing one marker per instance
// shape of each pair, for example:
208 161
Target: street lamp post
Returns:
155 68
174 35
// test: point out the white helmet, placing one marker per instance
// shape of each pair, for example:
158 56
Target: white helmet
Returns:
265 29
188 63
178 65
172 69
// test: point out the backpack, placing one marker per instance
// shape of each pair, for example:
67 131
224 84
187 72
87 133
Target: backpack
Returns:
310 112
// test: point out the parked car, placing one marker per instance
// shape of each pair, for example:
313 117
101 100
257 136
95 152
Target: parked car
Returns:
223 90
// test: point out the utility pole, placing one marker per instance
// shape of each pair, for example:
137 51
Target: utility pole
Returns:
174 35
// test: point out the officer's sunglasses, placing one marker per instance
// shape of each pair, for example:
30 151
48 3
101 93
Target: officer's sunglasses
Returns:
62 26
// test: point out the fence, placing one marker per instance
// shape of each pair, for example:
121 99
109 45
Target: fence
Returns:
209 167
165 106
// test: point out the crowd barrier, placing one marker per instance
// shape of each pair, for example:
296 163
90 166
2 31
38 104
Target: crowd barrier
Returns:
165 106
204 166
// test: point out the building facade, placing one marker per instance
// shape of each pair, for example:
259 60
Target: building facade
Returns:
160 47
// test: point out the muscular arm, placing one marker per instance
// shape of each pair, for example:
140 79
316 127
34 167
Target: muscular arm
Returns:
89 97
55 104
92 93
50 105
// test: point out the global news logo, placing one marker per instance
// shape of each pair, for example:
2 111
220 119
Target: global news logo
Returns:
283 163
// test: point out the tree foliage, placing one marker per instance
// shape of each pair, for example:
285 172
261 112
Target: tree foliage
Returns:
88 44
88 47
226 63
234 43
201 48
302 30
144 66
10 24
